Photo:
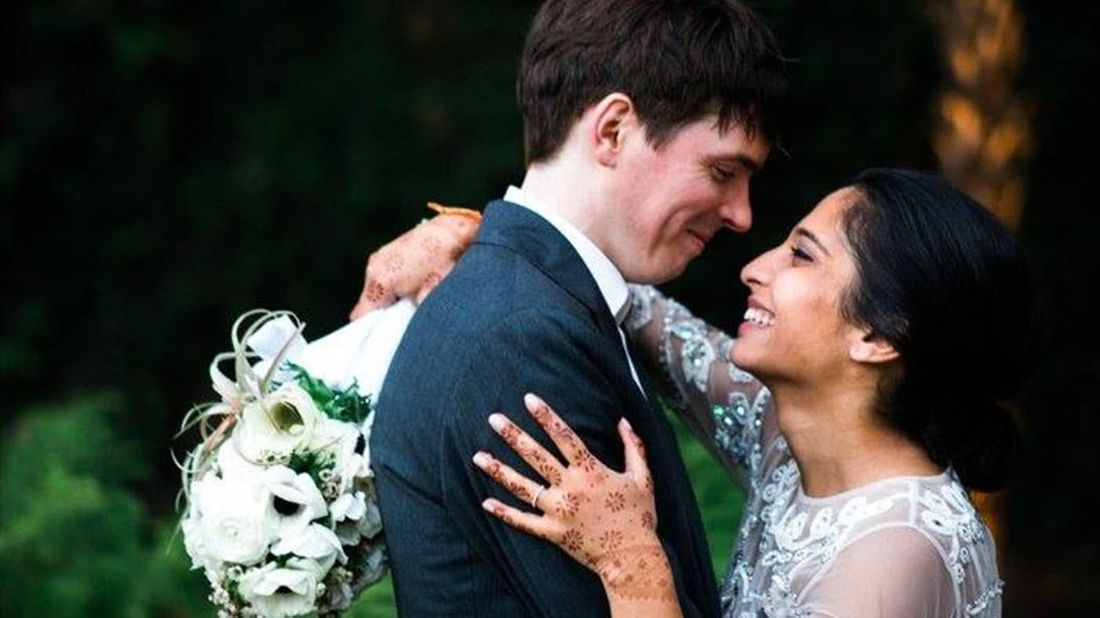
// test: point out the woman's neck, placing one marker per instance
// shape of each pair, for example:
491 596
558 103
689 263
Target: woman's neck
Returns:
840 443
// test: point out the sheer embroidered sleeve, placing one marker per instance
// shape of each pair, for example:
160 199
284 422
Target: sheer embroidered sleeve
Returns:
723 406
895 571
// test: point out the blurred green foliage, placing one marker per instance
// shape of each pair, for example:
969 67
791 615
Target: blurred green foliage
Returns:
165 166
75 539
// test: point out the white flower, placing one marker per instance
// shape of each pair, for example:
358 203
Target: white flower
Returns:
236 520
355 518
371 522
275 591
349 506
278 424
232 463
338 592
372 567
305 502
342 441
314 541
196 547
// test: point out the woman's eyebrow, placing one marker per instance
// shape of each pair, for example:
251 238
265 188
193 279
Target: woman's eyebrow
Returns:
801 231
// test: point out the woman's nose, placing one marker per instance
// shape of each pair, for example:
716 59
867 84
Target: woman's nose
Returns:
756 272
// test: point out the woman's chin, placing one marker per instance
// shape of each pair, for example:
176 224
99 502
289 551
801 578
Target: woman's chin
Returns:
744 359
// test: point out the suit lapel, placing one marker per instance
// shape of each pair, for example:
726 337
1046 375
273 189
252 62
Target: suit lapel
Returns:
518 229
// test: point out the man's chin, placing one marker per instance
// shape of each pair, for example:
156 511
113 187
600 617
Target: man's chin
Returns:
656 275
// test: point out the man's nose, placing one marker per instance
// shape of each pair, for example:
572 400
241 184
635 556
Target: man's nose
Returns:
737 213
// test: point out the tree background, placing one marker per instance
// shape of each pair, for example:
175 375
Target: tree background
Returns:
165 166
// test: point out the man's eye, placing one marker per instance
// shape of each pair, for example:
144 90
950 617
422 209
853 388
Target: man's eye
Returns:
721 174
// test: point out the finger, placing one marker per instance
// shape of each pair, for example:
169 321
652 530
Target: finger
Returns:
431 281
635 451
563 436
373 296
530 523
518 485
528 449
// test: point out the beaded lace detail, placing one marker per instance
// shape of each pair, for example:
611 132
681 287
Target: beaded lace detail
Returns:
899 546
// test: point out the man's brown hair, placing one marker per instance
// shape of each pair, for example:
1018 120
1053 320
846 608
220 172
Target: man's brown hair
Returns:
678 60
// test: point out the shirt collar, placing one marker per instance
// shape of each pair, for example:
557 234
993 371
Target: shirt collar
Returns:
608 278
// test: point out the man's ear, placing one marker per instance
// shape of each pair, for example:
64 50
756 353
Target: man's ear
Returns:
867 347
613 119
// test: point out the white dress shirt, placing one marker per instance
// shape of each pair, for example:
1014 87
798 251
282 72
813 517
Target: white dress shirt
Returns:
608 278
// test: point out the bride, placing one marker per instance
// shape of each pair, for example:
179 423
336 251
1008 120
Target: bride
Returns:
863 397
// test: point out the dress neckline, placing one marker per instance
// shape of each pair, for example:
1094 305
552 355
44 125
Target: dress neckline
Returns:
800 496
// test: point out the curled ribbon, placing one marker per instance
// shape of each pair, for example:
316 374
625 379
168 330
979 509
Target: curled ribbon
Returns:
454 210
235 393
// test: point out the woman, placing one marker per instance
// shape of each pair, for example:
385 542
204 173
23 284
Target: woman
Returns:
882 338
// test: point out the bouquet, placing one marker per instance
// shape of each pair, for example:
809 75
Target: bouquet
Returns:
281 511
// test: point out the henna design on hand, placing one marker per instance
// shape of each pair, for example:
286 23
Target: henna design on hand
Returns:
615 501
375 292
604 519
572 541
611 540
569 506
587 462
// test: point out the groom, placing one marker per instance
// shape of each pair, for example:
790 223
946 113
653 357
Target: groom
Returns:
643 121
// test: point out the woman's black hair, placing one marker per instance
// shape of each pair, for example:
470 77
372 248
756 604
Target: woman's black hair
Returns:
943 281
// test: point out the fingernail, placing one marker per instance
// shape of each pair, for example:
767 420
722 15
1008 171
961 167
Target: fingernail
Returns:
487 504
497 421
481 458
627 423
531 400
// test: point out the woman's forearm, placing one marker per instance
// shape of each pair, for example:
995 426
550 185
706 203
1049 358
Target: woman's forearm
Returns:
638 582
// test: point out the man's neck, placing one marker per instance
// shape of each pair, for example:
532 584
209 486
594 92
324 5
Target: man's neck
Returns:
563 188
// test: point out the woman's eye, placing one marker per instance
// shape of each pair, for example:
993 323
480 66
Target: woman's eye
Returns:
799 254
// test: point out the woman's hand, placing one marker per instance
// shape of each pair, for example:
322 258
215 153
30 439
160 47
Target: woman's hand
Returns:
413 264
604 519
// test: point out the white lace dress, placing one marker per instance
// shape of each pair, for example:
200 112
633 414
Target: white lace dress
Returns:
903 546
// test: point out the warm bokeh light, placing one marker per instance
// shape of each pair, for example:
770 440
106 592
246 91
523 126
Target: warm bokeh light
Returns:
984 137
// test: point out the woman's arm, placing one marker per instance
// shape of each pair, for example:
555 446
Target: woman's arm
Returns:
722 405
603 519
412 265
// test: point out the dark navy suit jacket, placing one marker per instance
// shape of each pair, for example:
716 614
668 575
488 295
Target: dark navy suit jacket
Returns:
519 313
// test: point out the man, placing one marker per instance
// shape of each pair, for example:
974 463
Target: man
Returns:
643 121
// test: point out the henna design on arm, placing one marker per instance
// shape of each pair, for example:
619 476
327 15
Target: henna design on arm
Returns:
638 573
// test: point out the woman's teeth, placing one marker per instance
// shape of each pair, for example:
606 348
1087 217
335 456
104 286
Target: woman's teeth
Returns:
759 317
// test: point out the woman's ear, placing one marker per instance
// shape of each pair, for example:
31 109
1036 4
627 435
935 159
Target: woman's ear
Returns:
867 347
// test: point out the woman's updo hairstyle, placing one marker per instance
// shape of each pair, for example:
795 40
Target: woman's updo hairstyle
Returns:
942 280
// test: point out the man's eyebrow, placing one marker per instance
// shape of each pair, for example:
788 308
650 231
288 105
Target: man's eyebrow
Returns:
801 231
751 165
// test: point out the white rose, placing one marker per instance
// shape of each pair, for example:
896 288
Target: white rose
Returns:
275 591
316 542
236 521
278 424
196 547
305 501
